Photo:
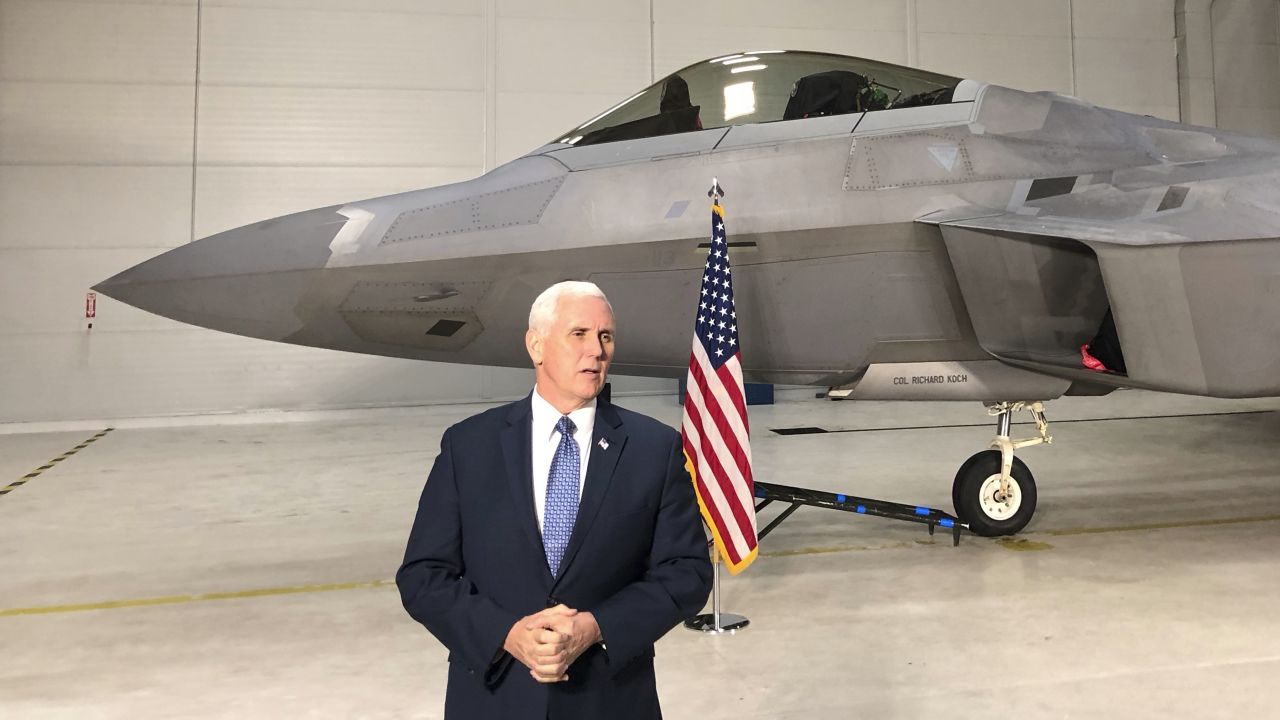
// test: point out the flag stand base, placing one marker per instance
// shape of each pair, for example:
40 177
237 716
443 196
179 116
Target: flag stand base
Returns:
708 624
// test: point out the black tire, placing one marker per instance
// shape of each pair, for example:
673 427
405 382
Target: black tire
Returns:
960 474
967 489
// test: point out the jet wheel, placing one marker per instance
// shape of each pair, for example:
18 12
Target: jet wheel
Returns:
977 499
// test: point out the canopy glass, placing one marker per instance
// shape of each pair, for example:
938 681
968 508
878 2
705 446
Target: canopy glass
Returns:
759 87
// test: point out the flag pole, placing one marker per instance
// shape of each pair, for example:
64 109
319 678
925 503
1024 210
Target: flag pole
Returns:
716 622
715 586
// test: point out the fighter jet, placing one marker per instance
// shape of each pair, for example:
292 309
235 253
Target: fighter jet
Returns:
895 234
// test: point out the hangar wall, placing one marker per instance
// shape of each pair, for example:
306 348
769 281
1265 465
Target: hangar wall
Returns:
131 127
1246 64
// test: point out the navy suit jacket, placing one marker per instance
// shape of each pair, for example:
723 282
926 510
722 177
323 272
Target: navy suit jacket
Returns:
475 564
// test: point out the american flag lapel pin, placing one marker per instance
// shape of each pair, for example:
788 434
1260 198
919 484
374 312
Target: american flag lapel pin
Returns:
604 444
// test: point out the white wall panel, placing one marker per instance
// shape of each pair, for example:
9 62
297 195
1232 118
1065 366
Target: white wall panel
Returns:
1246 64
1199 30
91 374
1019 43
43 290
153 3
813 14
233 196
677 45
1250 119
55 40
527 120
1244 79
609 10
865 28
1193 30
359 7
257 126
1128 75
96 125
560 63
304 106
1126 21
572 56
1246 22
94 207
276 47
1194 108
1025 63
1019 18
1125 55
93 124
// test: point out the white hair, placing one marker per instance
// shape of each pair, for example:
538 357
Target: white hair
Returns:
543 312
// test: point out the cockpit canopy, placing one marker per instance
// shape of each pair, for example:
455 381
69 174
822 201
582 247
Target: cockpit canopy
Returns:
760 87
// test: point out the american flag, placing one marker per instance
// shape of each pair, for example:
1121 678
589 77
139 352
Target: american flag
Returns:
717 447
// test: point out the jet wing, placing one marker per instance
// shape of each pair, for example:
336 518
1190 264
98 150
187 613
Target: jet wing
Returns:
1191 272
1232 199
1072 228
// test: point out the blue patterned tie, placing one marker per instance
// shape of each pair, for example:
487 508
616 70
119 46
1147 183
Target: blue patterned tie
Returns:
561 508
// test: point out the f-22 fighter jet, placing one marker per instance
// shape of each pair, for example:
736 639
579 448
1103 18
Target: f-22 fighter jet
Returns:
896 234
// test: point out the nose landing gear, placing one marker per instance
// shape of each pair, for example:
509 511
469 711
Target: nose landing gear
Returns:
994 492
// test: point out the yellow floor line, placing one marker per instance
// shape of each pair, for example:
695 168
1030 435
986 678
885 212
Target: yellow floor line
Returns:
835 549
185 599
300 589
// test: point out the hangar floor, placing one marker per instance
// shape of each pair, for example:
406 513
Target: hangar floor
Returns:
241 568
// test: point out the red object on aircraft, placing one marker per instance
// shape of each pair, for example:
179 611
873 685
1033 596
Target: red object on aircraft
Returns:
1090 361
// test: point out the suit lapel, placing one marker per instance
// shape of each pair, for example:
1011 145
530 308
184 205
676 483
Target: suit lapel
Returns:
517 453
600 470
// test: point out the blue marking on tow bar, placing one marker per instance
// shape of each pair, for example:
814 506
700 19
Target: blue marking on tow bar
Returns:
946 523
839 498
862 508
922 511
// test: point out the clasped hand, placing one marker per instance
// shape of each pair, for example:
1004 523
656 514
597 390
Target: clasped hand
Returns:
549 641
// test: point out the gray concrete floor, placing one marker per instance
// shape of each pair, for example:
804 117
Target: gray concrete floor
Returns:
237 569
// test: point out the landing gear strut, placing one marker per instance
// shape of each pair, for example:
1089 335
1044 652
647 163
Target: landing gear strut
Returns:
994 492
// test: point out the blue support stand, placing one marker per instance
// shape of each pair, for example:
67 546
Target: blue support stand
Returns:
767 493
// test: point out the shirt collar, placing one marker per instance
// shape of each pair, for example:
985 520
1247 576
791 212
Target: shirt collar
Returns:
545 417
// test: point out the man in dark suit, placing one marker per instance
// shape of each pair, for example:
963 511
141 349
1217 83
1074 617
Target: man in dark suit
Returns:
557 538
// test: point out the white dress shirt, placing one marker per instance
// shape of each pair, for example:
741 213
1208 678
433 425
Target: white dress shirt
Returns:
546 438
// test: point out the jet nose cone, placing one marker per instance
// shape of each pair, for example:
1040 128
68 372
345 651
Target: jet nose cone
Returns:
246 281
116 286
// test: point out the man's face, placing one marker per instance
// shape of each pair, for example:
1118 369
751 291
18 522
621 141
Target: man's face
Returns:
572 360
